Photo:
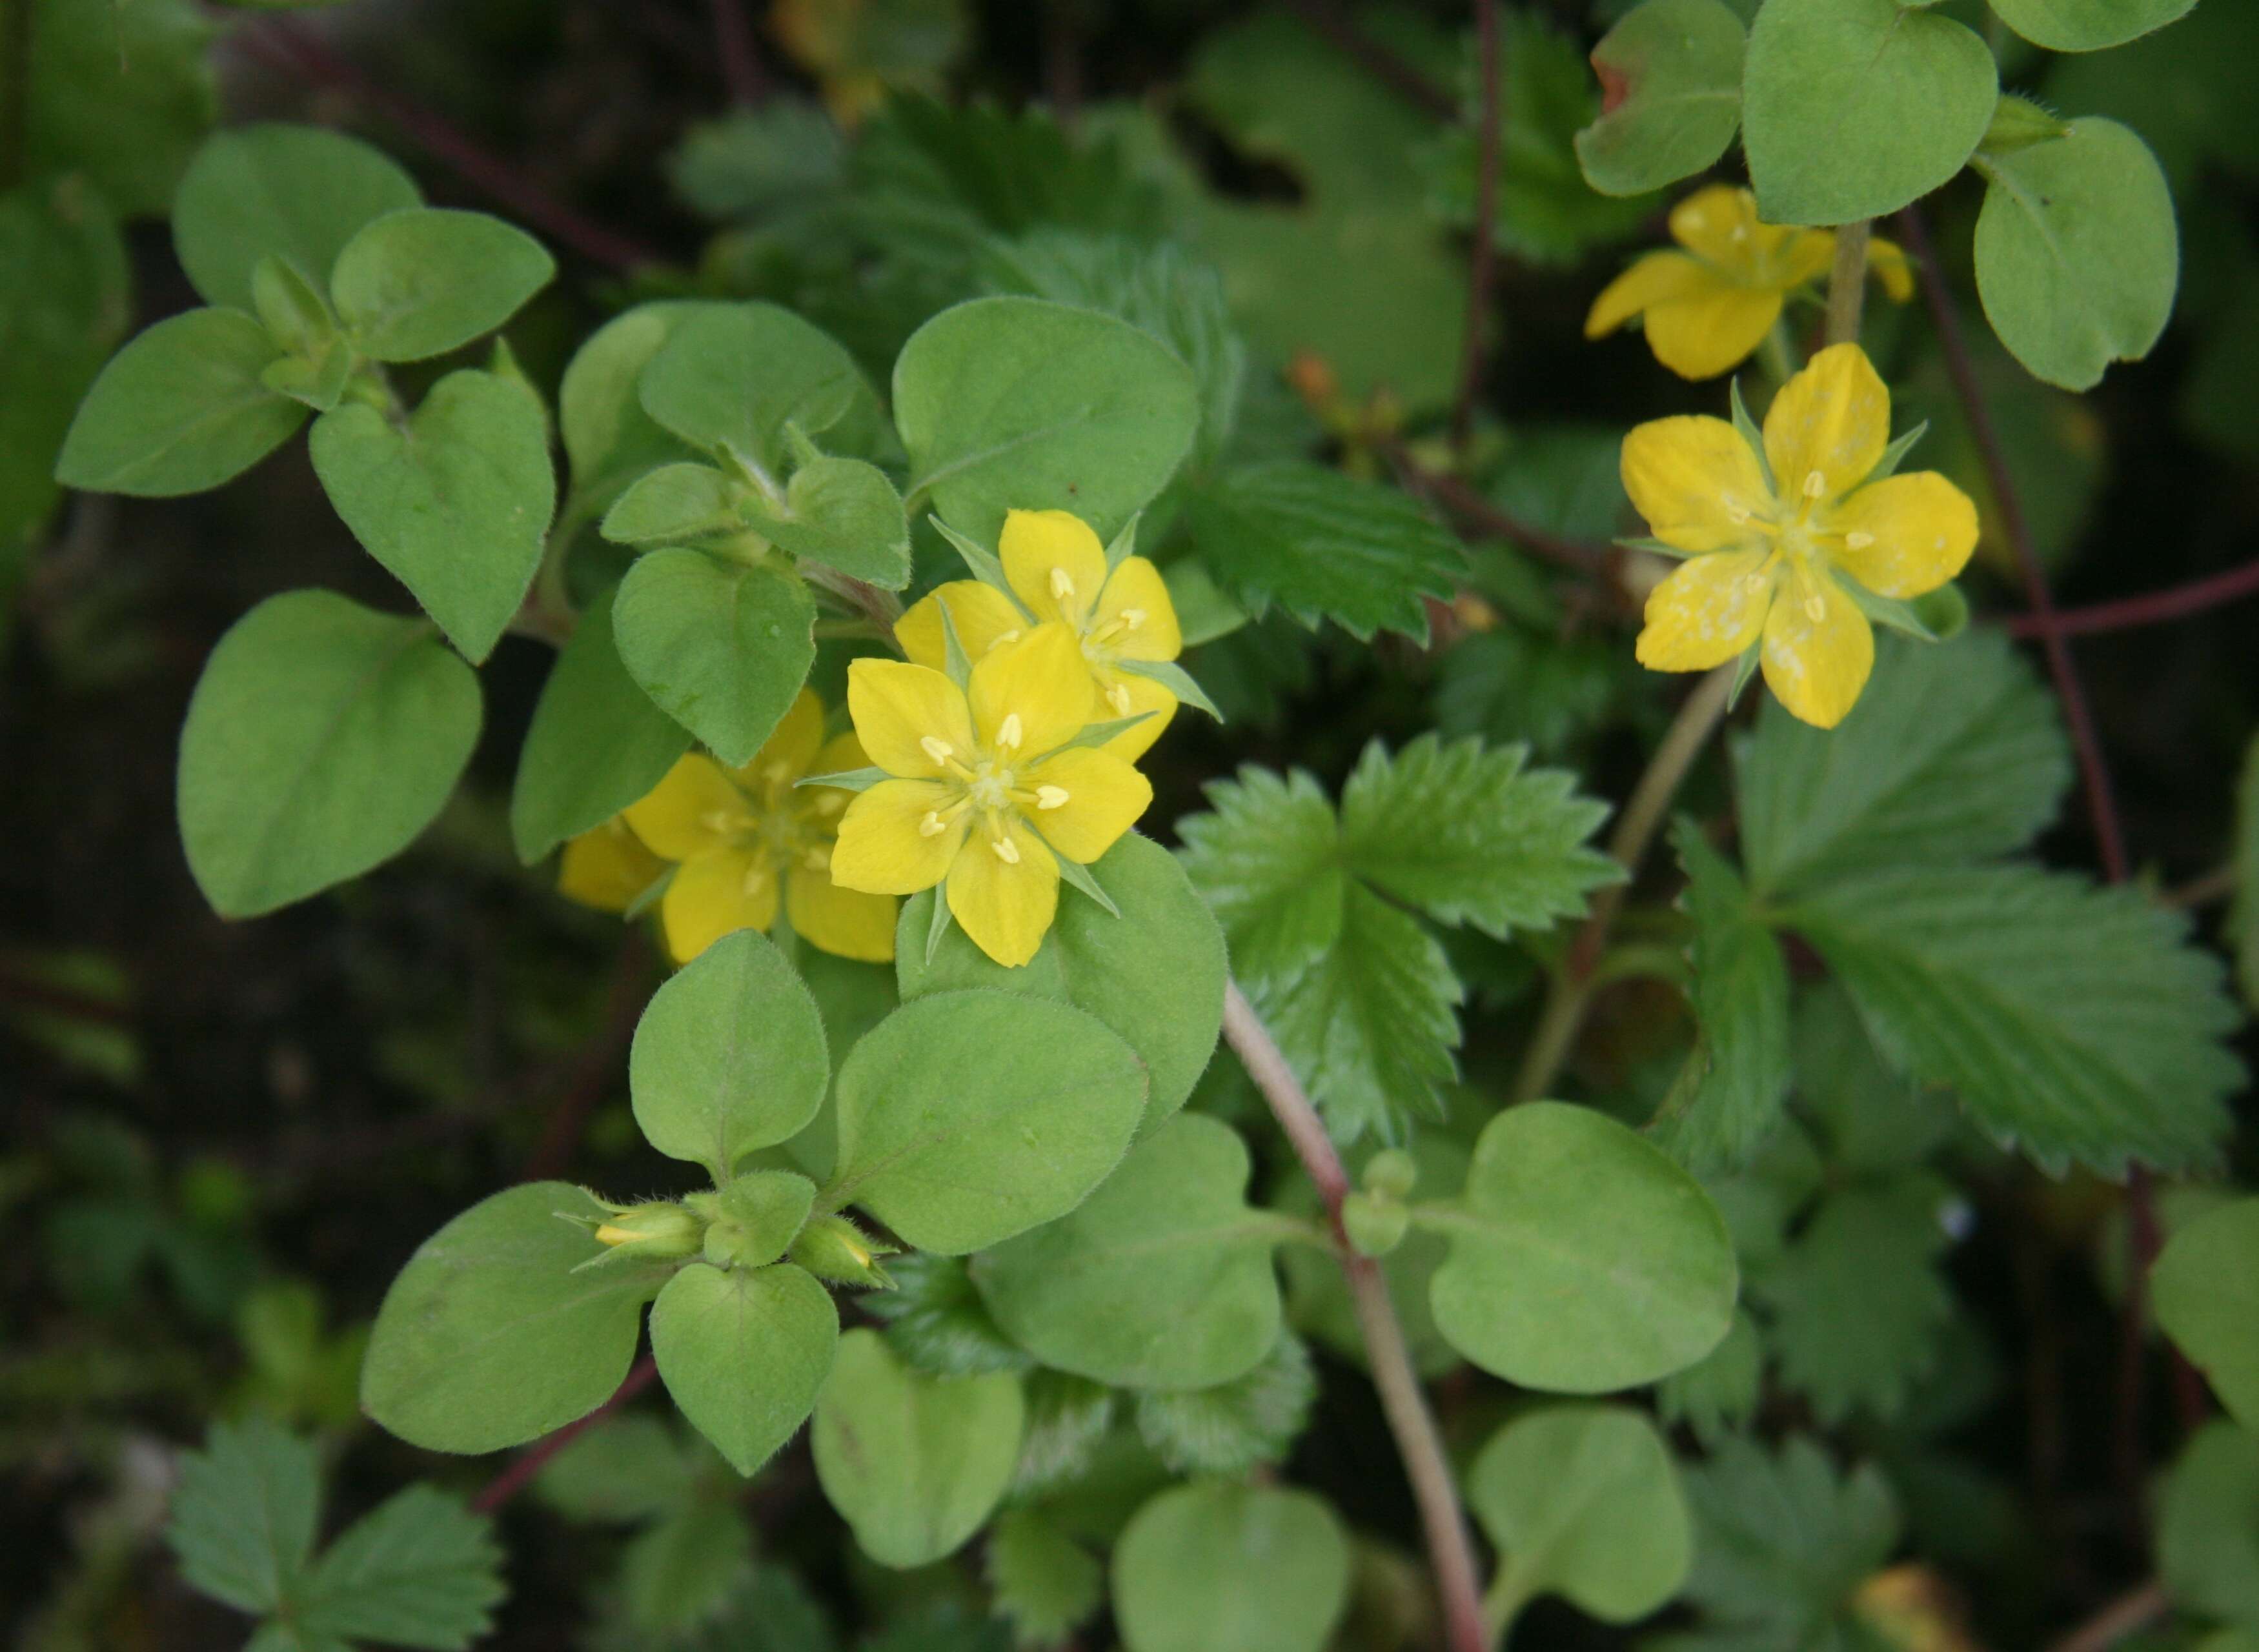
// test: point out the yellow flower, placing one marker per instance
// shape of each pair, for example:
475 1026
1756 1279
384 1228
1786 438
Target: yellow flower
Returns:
1708 307
1057 570
1768 535
607 867
985 794
745 835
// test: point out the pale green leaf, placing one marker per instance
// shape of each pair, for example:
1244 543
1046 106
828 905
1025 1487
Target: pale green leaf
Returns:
1040 1578
181 409
2205 1285
722 646
1670 79
2208 1525
425 280
727 380
269 190
2087 26
744 1354
1213 1567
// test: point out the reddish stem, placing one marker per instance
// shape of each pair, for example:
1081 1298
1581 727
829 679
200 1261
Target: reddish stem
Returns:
1485 253
536 1457
623 1002
1326 19
2174 603
740 59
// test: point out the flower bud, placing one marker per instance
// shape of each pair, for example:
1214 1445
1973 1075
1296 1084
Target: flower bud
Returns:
1375 1225
1391 1173
661 1229
834 1247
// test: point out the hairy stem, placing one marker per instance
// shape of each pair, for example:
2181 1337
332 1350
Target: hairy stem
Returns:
2127 1615
1485 264
1846 283
536 1457
1570 991
2176 601
1450 1552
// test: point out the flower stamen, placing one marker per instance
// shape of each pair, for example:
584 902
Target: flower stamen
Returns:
1050 797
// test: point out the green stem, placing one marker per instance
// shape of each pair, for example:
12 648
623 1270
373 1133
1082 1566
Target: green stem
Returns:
1573 982
1846 283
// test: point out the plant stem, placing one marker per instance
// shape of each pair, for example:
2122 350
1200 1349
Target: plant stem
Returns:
2176 601
2128 1615
536 1457
1330 21
1472 510
1846 283
1450 1552
739 59
1571 988
1487 139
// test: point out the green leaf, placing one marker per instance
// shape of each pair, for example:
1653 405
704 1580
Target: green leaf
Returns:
679 1578
729 1056
1953 753
1319 1303
1212 1566
1323 545
1161 1279
937 1321
1781 1543
1582 1501
181 409
1741 1000
1042 1580
743 1353
419 1569
1857 1304
1720 1391
722 646
609 439
624 1470
672 503
1233 1426
2205 1289
2073 1021
1155 974
1016 403
1582 1259
729 379
65 296
845 514
2087 26
967 1117
425 281
245 1511
489 1338
296 193
1670 79
1850 109
596 743
321 739
2208 1525
456 506
784 153
1468 835
121 93
2077 255
913 1463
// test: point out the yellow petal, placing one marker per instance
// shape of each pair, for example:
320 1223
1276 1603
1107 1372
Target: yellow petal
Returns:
1125 693
1707 611
785 756
715 895
1829 426
887 844
1004 901
1799 256
844 923
1886 262
1695 481
1086 799
607 867
1719 222
1711 332
982 615
1818 650
1649 280
1054 563
1037 688
694 809
1905 535
1135 598
898 709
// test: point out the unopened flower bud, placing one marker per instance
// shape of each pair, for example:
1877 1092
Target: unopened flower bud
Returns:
660 1229
1375 1225
1391 1173
834 1247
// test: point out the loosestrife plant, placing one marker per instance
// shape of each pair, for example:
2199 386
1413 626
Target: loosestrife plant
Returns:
1159 866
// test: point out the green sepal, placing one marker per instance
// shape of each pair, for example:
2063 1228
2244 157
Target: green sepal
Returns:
1744 668
1888 464
1751 433
954 662
320 383
1657 545
1175 679
1096 734
939 927
846 780
1897 613
650 896
2017 123
1125 543
984 563
1077 874
833 1248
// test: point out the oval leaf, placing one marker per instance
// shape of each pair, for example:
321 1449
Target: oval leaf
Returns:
743 1353
609 439
488 1338
2205 1286
1670 84
730 379
1155 974
967 1117
845 514
1217 1567
729 1056
2087 26
1162 1279
457 506
722 646
1582 1259
321 739
1850 109
913 1463
1018 403
426 281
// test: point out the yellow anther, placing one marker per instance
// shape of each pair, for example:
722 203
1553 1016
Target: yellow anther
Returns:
1118 697
932 825
1737 512
1132 618
939 751
1002 637
722 822
1062 585
1815 607
1009 734
816 859
1050 797
1815 484
1857 540
1006 850
755 875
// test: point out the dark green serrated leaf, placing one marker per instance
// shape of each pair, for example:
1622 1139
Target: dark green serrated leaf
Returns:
244 1512
419 1570
1040 1578
1233 1426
